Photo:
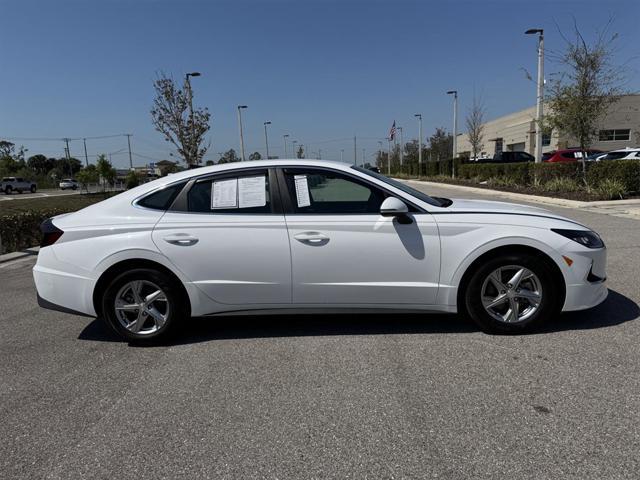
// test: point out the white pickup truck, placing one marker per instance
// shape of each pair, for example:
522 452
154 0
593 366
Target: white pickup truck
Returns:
9 185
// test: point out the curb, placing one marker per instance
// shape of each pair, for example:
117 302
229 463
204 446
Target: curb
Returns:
561 202
10 257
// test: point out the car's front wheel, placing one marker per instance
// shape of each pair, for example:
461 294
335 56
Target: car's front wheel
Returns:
33 189
144 305
512 294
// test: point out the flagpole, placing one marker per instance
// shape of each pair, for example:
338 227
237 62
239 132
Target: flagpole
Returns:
389 158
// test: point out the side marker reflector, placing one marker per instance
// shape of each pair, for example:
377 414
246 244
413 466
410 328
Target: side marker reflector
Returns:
567 260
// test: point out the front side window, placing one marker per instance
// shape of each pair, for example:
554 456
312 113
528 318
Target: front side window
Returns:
241 194
327 192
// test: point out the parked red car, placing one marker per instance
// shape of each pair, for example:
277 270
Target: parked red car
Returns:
567 155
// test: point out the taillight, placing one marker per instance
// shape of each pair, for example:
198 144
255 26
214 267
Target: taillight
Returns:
50 233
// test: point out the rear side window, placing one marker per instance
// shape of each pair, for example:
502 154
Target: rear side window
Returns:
162 199
244 194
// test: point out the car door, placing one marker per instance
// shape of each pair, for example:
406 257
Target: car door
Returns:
344 252
227 234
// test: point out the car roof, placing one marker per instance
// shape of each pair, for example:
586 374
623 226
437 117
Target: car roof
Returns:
626 149
222 167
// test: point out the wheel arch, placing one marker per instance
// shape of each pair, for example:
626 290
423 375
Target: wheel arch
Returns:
509 249
129 264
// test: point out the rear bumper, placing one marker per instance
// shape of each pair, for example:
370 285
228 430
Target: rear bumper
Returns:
58 308
61 287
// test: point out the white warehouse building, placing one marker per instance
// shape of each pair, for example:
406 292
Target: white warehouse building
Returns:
619 128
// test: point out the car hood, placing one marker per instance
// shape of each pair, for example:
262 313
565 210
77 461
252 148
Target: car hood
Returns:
461 205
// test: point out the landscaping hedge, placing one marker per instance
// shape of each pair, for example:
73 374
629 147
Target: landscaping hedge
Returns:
627 172
22 230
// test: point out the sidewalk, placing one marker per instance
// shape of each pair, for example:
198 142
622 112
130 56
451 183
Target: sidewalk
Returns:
9 257
622 208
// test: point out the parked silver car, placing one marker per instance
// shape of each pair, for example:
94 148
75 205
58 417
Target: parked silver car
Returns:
17 184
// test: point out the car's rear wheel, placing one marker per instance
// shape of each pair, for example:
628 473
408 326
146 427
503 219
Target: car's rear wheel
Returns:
512 294
7 190
144 305
33 189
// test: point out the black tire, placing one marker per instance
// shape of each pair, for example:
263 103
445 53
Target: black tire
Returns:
33 189
74 188
7 190
178 306
548 307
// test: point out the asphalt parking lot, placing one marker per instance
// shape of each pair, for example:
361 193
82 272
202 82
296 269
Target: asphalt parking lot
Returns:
360 396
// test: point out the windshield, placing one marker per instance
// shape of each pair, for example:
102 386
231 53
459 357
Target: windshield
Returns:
404 187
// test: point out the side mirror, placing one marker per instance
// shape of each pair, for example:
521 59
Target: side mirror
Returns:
394 207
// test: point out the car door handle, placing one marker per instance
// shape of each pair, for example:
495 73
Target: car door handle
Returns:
181 239
312 238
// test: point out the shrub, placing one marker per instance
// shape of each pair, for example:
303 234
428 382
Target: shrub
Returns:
562 184
502 182
543 172
611 189
626 172
22 230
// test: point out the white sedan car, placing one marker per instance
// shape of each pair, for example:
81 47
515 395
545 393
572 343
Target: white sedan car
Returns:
71 183
301 235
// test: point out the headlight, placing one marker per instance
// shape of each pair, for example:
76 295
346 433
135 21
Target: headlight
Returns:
586 238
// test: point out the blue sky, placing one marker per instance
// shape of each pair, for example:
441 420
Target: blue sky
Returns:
319 70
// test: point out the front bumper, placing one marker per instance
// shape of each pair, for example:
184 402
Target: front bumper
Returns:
586 284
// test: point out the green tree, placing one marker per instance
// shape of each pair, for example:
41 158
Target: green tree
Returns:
300 152
582 92
40 164
105 170
229 156
441 144
475 126
87 175
132 180
208 163
172 116
255 156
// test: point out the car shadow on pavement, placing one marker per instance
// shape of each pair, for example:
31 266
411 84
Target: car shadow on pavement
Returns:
615 310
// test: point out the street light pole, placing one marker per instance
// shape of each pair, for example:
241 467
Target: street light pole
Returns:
540 92
86 157
293 147
342 155
284 137
240 108
266 138
193 147
455 121
419 117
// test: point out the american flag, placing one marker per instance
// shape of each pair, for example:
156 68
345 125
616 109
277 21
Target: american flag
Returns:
392 132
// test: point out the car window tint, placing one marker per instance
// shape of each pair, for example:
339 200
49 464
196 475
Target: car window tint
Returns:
161 199
615 155
247 199
333 193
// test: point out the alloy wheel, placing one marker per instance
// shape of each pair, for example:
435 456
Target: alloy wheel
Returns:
142 307
511 294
